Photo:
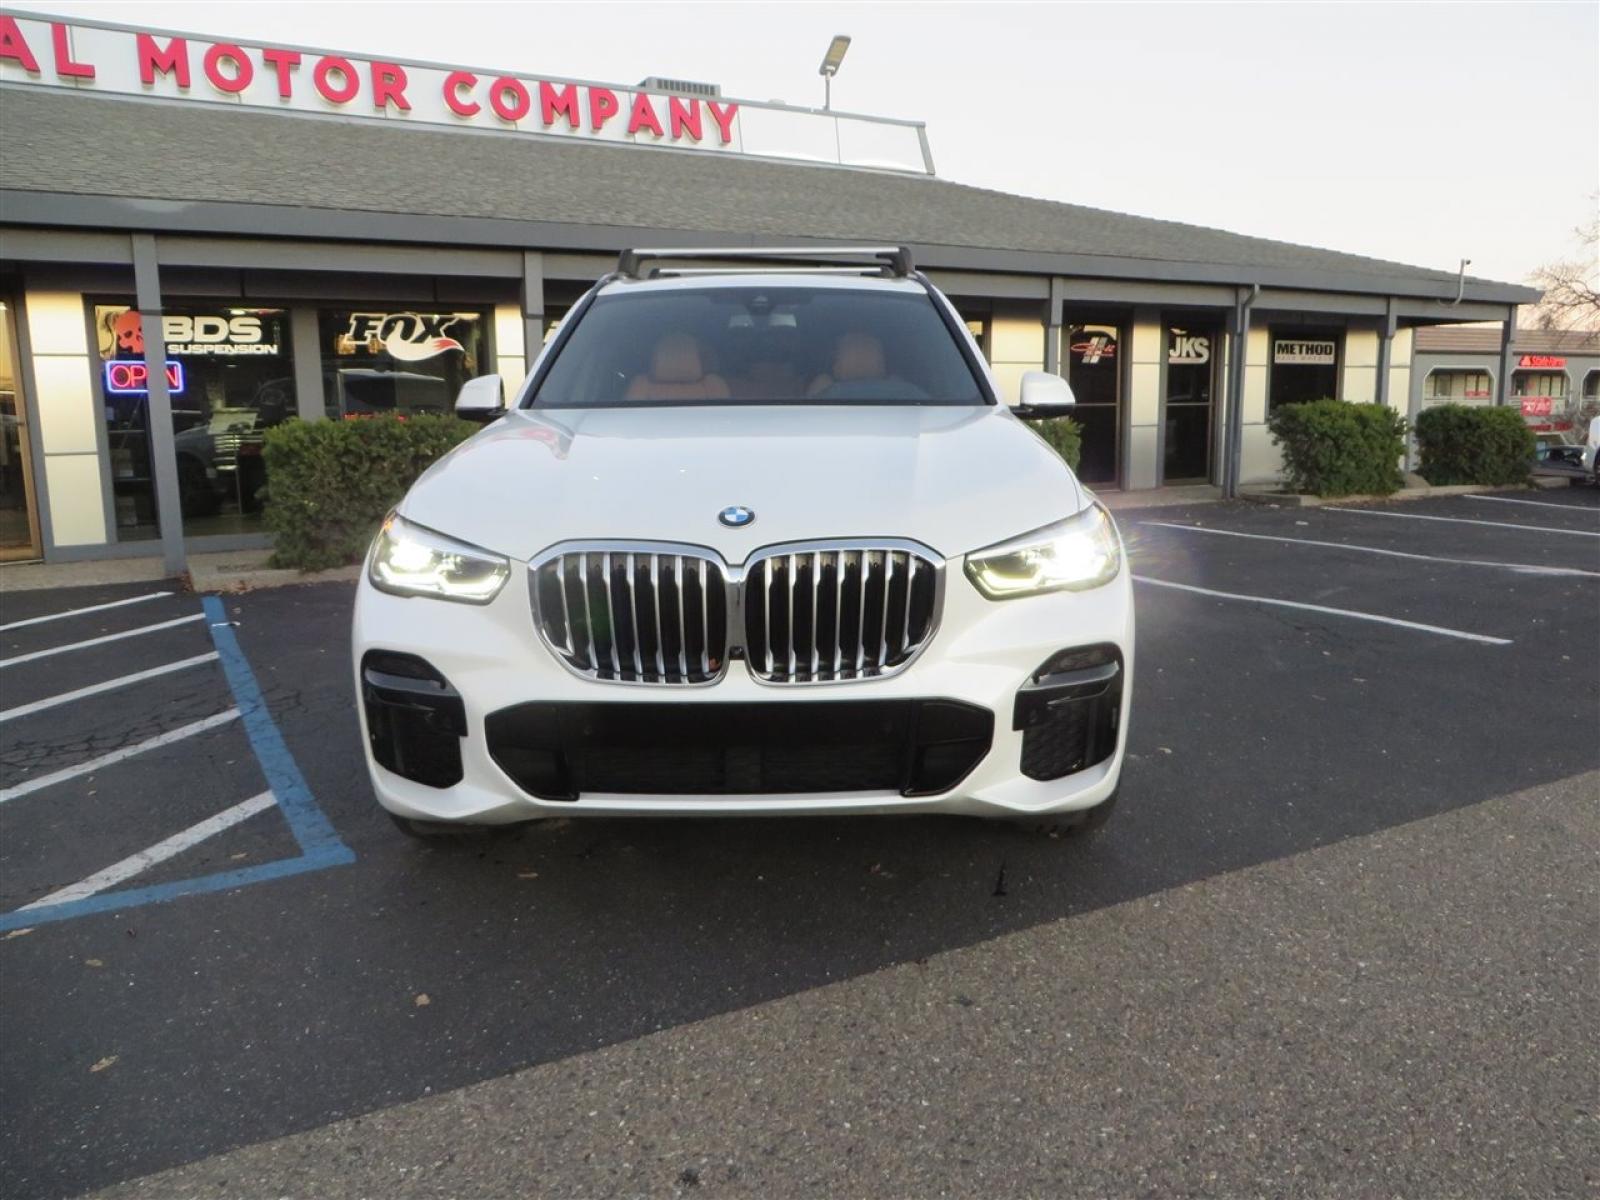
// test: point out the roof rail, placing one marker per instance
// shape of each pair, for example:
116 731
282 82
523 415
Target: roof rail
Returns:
881 260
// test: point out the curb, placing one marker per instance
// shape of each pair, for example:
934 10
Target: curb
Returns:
251 579
1304 500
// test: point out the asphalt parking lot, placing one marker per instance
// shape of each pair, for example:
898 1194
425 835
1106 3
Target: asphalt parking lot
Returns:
227 943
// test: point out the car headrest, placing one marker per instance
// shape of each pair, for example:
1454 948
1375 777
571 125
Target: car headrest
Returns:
858 356
676 360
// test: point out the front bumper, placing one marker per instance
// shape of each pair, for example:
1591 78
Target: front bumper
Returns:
503 688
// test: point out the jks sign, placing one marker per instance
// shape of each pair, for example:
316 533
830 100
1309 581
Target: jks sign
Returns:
134 62
1188 349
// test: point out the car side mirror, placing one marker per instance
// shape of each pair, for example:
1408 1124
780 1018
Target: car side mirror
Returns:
1044 394
481 399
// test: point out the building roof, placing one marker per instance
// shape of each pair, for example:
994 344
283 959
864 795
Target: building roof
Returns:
127 152
1485 339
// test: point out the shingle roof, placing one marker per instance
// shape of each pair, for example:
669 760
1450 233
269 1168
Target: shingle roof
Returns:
102 146
1477 339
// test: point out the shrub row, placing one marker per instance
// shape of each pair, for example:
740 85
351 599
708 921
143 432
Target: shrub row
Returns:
1064 435
1336 448
330 483
1462 444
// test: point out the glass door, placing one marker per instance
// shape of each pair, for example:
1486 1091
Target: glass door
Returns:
1186 413
1095 373
19 521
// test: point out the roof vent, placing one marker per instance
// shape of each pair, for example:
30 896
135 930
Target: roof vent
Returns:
681 87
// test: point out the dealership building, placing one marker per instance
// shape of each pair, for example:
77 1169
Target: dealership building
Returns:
202 239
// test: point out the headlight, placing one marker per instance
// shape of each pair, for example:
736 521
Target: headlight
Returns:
409 560
1079 553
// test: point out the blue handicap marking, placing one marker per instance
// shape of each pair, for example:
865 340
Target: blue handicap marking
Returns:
320 846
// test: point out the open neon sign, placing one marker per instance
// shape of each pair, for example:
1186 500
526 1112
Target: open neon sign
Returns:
130 377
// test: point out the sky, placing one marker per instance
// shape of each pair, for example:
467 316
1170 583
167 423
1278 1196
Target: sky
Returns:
1420 133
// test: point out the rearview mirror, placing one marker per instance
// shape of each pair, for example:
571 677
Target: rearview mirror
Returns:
481 399
1043 394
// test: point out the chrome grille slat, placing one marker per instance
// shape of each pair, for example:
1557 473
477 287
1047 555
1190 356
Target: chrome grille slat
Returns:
646 593
838 608
790 580
816 583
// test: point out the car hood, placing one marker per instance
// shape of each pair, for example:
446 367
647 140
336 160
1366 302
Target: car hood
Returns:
952 478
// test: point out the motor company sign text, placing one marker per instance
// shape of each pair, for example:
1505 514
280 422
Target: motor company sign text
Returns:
159 64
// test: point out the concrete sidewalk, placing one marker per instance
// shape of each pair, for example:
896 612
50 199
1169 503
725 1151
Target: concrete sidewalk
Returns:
1406 1014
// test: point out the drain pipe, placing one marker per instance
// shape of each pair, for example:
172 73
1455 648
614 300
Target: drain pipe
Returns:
1242 304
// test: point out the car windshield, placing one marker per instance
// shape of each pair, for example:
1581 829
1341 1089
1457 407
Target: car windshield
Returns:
759 345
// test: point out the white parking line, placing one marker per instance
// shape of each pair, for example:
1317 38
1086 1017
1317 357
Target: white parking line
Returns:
1335 612
116 756
1536 503
100 641
1378 512
78 612
94 689
168 848
1520 568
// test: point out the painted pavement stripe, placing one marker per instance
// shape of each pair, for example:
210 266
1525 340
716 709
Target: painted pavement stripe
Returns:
1582 508
1335 612
110 637
1374 512
110 685
96 764
167 848
78 612
1520 568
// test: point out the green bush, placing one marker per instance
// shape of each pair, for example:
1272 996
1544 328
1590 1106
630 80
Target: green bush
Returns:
330 483
1334 448
1064 435
1462 444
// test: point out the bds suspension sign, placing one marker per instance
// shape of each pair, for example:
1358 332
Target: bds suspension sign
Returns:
130 61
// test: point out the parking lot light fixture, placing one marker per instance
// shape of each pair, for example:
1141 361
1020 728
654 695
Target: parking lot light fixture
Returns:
830 66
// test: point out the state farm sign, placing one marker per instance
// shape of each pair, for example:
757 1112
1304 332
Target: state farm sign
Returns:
131 61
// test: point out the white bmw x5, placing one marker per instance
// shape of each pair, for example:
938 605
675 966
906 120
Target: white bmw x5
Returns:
757 538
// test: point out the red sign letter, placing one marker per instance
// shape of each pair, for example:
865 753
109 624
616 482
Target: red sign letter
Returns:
685 117
643 115
521 101
15 47
603 105
723 116
389 83
349 84
65 66
174 60
281 61
242 74
563 103
453 83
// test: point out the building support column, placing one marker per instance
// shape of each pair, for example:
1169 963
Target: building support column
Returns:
1508 330
532 306
1385 355
1053 311
1233 427
310 404
158 412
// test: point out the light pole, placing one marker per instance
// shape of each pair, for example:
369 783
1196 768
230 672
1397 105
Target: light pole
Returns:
830 67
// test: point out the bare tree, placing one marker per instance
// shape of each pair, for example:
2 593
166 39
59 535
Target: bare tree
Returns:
1571 287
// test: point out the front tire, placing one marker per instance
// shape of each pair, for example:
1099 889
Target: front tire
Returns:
1080 824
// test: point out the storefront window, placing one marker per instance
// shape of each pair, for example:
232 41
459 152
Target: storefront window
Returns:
1539 383
1456 387
1094 372
398 361
18 523
1305 366
230 375
1187 432
1591 387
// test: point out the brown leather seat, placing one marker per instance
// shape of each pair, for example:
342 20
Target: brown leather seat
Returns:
677 373
856 356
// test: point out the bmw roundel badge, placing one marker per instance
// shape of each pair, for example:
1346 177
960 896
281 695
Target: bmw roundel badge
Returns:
736 516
